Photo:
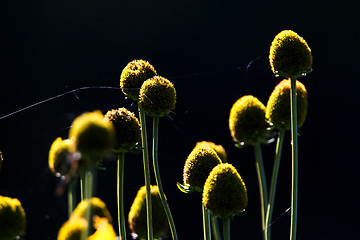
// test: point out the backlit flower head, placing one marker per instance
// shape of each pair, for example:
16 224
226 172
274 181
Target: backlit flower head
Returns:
290 56
73 229
220 150
198 165
133 76
137 216
127 129
225 193
104 230
278 106
12 218
59 156
247 121
157 96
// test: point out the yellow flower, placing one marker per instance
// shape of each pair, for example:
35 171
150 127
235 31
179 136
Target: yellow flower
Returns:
220 150
157 96
73 229
59 162
138 219
247 121
225 193
105 230
133 76
290 56
198 165
278 106
12 218
127 129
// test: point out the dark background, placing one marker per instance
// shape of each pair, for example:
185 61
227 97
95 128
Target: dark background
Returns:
214 52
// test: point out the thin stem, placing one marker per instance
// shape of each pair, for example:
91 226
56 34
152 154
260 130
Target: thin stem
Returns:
158 178
88 189
226 228
206 223
82 184
262 183
294 154
215 227
145 152
71 196
120 195
275 173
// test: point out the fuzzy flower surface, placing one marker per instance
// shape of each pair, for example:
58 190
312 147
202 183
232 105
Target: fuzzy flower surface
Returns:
290 55
127 129
133 76
92 135
278 106
247 122
73 229
12 218
138 219
225 193
157 96
59 156
219 149
198 165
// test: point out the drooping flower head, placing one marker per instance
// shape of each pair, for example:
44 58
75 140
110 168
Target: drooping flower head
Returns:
278 106
198 165
157 96
290 55
127 129
225 193
73 229
92 135
219 149
247 121
59 156
12 218
138 219
133 76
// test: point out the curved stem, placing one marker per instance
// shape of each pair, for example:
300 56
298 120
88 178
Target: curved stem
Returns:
145 152
262 183
294 155
206 223
275 173
226 228
120 195
158 178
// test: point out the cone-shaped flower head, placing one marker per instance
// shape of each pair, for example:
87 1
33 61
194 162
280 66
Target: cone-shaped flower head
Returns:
224 192
198 165
133 76
12 218
105 230
59 156
92 135
247 121
137 215
290 56
127 129
220 150
73 229
278 106
157 96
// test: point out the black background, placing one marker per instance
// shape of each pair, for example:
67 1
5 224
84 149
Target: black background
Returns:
214 52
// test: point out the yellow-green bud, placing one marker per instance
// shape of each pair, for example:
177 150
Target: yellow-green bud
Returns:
138 218
59 161
290 56
73 229
127 129
220 150
198 165
133 76
12 218
92 135
225 193
157 96
278 107
247 121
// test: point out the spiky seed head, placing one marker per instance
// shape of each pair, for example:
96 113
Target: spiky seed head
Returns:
290 55
219 149
12 218
157 96
59 156
247 121
138 218
133 76
127 129
73 229
278 106
225 193
198 165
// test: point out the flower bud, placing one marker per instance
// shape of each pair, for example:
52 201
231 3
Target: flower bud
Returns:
73 229
104 230
59 156
220 150
12 218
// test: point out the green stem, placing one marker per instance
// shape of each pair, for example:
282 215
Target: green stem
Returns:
120 195
89 175
275 173
82 184
158 178
71 196
206 223
145 152
262 183
226 228
215 227
294 155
